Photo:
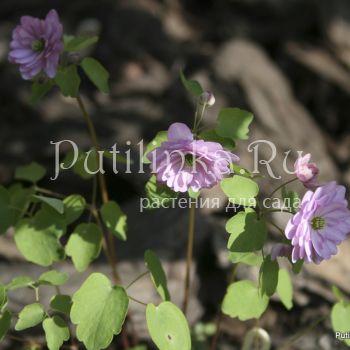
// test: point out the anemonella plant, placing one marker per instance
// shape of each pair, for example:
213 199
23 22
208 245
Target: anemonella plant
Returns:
184 160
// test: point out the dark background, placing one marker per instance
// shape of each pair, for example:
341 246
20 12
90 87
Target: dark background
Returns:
285 60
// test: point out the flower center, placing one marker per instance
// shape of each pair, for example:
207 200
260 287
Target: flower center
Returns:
318 223
190 159
38 45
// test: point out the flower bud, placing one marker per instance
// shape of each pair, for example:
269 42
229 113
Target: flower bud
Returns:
207 98
257 339
306 172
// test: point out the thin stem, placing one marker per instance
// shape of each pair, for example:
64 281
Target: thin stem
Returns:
278 210
136 279
200 117
49 192
93 196
36 290
301 333
137 301
280 186
109 244
219 317
187 287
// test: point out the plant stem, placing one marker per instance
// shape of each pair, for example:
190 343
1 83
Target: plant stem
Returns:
278 210
280 186
109 244
187 287
136 279
137 301
219 317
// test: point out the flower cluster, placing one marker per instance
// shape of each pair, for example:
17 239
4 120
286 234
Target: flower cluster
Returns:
36 45
183 163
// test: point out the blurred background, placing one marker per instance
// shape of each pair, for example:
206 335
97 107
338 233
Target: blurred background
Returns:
287 61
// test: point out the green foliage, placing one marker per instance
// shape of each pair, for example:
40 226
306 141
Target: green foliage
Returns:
3 296
78 43
251 259
5 323
338 294
296 267
30 316
234 123
5 210
114 219
193 194
248 233
53 278
68 80
79 167
211 135
291 200
158 194
56 332
99 310
340 317
161 137
39 90
20 282
32 172
285 288
192 86
168 327
269 276
244 301
54 203
240 190
157 274
37 238
74 206
20 199
84 245
98 75
61 303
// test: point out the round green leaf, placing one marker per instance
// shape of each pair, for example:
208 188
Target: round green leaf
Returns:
285 288
269 276
32 172
20 282
30 316
54 203
54 278
39 90
234 123
68 80
240 190
168 327
5 323
61 303
114 219
157 274
74 206
84 245
96 73
56 332
99 310
340 317
192 86
244 301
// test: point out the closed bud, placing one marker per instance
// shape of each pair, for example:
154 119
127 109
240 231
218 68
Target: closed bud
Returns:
207 98
257 339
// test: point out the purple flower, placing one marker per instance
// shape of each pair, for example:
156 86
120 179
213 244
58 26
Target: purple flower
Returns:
36 45
306 172
322 223
183 163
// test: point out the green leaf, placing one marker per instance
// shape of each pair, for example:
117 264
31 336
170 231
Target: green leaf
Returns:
251 259
20 282
98 300
157 274
285 288
3 296
68 80
38 238
61 303
84 245
248 232
193 194
296 267
5 210
269 276
338 294
32 172
192 86
291 200
54 203
161 137
53 278
20 200
74 206
158 195
96 73
39 90
340 317
5 323
234 123
78 43
240 190
168 327
56 332
211 135
240 171
30 316
79 165
244 301
114 219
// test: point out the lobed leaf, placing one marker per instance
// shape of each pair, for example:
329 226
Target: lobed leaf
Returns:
61 303
32 172
114 219
68 80
74 206
53 278
269 276
56 332
192 86
30 316
98 75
